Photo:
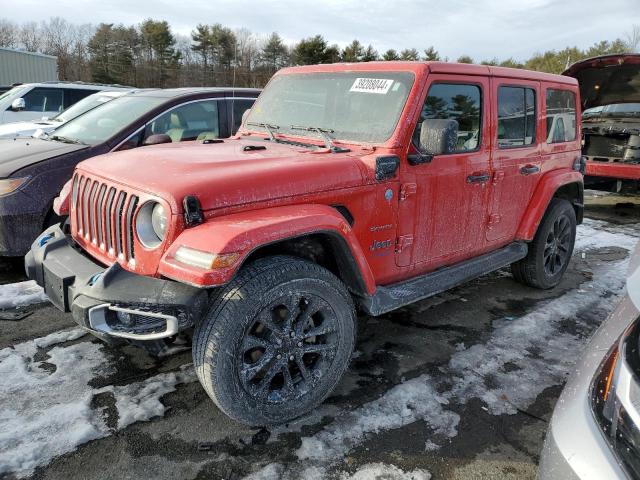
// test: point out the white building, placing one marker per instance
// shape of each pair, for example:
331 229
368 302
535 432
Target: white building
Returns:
17 66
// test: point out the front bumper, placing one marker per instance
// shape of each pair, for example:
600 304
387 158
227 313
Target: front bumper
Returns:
16 231
110 300
620 171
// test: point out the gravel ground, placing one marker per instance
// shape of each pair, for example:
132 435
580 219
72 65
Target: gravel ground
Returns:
455 387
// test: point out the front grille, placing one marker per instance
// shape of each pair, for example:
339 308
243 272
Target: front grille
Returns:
103 215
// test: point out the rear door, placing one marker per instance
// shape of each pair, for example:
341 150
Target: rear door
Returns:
516 165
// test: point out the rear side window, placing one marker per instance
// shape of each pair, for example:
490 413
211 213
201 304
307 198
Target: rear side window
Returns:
43 100
74 95
458 102
516 117
239 107
561 116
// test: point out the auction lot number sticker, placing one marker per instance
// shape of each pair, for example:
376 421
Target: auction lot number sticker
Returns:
371 85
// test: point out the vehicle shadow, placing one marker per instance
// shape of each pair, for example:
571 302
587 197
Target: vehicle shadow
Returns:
12 270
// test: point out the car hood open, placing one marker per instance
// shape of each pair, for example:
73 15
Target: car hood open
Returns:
232 173
22 152
607 79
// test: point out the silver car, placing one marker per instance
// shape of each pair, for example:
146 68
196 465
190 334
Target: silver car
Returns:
595 428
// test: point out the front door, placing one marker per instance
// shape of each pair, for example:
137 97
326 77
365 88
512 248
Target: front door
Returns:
445 200
516 158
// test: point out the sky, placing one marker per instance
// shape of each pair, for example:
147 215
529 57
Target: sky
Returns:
483 29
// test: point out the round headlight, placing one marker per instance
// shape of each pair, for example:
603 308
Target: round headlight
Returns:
159 221
151 224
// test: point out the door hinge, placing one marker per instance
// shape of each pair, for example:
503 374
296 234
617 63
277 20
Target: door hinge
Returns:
403 242
407 189
494 219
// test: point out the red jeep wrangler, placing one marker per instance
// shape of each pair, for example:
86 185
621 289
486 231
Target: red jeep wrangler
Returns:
367 186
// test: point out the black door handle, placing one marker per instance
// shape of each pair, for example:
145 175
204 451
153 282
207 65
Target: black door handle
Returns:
484 177
529 170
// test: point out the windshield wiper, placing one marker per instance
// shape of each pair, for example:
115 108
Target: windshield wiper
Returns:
58 138
325 133
268 127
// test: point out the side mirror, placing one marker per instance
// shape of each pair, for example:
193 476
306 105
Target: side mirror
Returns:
245 115
438 137
157 139
18 104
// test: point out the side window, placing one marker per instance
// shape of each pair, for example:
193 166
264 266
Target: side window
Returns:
516 117
43 100
459 102
239 107
192 121
74 95
561 116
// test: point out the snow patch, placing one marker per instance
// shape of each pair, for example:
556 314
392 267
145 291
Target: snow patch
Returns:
273 471
45 407
597 234
20 294
59 337
43 414
528 354
381 471
413 400
140 401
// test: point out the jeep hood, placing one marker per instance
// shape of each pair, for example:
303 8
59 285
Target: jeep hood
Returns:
229 173
22 152
607 79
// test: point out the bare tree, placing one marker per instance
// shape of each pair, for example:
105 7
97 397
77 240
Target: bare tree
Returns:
633 39
246 49
31 37
8 34
58 41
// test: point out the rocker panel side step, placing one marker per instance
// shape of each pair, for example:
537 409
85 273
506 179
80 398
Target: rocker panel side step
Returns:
391 297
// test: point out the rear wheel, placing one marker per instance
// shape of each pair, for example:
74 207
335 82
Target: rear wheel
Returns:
551 249
276 340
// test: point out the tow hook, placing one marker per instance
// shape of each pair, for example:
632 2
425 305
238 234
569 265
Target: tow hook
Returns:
45 239
94 279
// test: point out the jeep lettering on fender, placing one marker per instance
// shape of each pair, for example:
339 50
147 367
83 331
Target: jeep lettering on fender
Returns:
349 187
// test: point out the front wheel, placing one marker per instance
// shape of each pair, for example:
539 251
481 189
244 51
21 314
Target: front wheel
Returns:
276 340
551 248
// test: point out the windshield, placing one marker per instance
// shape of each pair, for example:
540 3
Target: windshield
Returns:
100 124
84 105
13 92
351 106
623 109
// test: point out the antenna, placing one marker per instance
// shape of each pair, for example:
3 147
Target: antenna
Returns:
233 86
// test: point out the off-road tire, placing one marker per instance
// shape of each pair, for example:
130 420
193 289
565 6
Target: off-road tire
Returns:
218 345
531 269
